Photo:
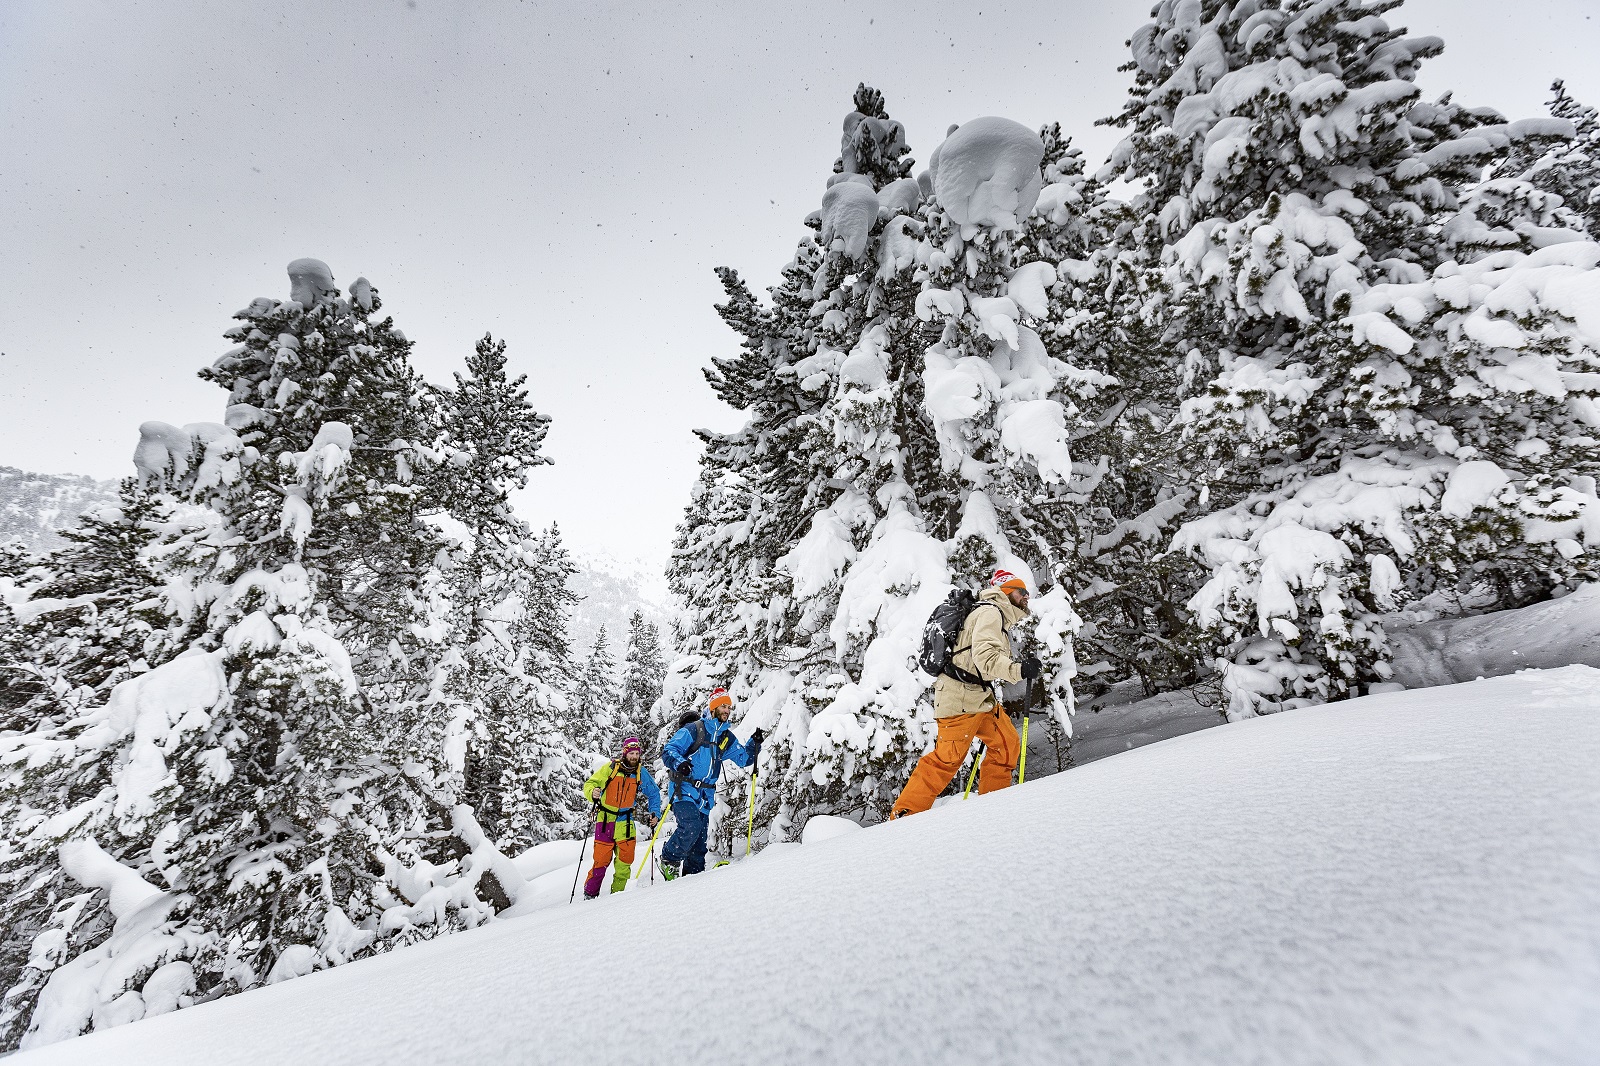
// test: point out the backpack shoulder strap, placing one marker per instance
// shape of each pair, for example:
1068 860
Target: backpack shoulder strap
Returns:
956 671
964 622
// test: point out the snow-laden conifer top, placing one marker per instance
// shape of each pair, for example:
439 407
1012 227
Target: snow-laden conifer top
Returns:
986 173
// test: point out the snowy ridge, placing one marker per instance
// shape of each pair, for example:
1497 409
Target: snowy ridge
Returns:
33 506
612 589
1352 907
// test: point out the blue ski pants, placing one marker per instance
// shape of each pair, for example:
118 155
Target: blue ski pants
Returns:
688 842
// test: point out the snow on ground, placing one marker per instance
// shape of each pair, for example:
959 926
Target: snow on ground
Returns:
1120 720
1442 651
1380 880
1553 633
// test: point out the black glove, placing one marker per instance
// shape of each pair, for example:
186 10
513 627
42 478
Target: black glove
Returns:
757 737
1031 668
686 770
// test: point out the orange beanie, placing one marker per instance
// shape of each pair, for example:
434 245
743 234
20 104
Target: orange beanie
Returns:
720 698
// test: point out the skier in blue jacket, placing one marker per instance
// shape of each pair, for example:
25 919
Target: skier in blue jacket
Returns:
694 759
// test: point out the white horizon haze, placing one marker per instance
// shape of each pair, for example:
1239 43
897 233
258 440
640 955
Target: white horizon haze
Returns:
563 176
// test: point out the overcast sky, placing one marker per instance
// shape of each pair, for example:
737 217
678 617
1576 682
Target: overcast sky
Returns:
564 175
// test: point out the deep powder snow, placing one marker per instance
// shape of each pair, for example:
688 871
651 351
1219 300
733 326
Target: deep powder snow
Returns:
1380 880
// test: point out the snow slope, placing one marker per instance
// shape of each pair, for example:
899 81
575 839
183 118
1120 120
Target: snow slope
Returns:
1355 883
1123 719
1544 635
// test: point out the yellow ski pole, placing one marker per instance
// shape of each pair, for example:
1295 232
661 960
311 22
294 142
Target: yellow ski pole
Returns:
750 824
656 833
1022 762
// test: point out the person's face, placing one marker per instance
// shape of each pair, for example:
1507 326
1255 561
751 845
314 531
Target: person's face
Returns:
631 758
722 712
1018 598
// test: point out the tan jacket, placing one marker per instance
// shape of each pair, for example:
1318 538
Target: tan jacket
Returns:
983 649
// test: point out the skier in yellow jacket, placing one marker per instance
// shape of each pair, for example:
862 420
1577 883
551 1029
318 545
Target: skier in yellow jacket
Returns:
964 703
614 789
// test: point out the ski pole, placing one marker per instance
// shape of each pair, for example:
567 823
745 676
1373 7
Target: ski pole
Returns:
750 824
974 775
1022 762
579 872
655 834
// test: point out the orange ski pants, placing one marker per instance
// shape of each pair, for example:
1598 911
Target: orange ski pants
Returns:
935 769
605 843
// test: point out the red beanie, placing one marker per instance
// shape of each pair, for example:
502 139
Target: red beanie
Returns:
720 698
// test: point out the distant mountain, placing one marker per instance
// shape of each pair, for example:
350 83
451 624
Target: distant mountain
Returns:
612 589
34 506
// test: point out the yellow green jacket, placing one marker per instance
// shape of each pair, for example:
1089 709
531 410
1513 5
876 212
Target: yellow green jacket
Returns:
614 790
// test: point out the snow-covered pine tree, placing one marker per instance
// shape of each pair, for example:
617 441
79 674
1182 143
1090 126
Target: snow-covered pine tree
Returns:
521 772
543 629
643 670
856 479
1298 190
93 616
1570 170
540 633
597 699
1102 321
749 503
874 144
279 774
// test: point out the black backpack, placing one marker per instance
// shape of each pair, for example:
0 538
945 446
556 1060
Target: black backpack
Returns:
939 637
701 740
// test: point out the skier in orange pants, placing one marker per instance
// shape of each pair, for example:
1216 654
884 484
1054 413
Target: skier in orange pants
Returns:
964 703
935 769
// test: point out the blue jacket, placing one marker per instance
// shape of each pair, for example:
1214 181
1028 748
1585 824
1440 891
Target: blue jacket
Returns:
718 744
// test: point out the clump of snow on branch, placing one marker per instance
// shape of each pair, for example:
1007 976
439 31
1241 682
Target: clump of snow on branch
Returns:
986 173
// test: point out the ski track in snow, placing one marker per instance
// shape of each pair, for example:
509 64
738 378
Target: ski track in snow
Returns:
1378 881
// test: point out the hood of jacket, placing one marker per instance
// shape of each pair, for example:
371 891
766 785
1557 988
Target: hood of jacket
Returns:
1010 612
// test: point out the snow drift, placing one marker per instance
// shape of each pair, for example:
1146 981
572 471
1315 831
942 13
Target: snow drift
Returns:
1378 881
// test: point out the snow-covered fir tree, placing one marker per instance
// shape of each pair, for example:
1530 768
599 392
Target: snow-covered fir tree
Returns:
522 772
93 616
902 438
597 695
643 670
542 631
272 798
1296 190
874 144
1570 170
1100 321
